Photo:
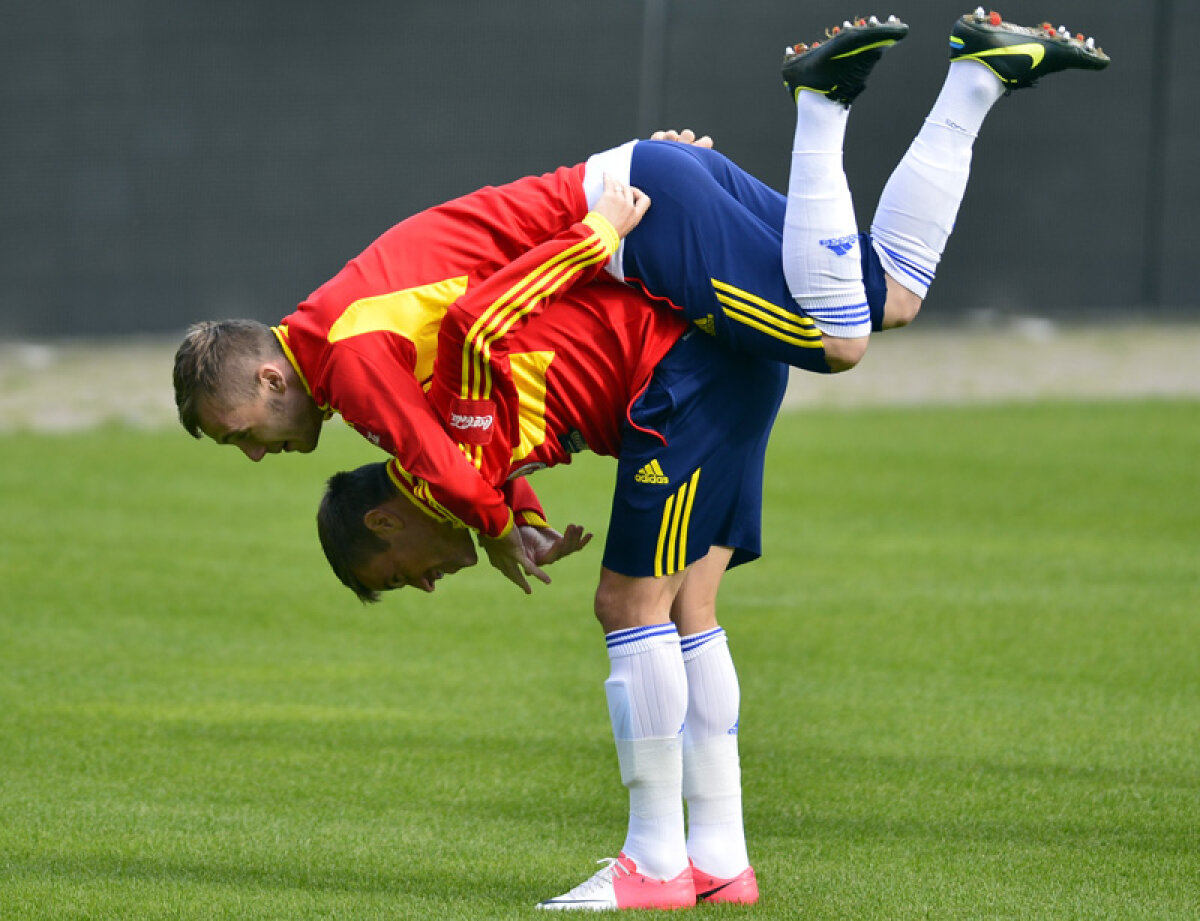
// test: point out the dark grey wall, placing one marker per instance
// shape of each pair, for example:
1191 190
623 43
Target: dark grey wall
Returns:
164 162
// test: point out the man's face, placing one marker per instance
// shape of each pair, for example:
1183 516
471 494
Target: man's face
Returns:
276 418
419 552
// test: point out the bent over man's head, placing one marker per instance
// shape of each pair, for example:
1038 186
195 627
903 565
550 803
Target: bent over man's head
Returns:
376 539
234 383
215 364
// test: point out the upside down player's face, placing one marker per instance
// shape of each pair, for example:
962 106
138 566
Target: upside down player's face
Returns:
419 553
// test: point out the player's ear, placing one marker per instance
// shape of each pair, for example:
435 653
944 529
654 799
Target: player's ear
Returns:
270 375
381 522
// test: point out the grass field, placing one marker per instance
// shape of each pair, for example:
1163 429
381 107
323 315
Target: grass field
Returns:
970 670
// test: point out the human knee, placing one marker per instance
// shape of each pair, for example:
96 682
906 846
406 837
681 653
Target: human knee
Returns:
617 608
695 619
692 615
902 305
609 610
622 602
844 354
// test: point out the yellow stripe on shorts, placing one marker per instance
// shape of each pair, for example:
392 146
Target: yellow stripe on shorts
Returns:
758 313
670 555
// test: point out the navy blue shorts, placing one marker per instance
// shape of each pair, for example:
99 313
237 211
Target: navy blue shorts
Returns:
690 471
711 246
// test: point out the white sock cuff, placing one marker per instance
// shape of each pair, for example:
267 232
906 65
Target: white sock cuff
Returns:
913 275
636 640
697 643
647 687
834 317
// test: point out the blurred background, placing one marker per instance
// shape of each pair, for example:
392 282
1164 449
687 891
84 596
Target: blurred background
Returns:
165 162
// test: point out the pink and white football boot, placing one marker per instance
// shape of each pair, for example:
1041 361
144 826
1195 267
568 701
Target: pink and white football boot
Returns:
620 885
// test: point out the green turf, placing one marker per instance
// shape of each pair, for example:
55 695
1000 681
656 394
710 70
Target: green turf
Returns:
970 667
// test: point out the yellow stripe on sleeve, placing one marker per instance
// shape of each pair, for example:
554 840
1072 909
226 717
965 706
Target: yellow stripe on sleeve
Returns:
518 300
417 490
603 226
539 285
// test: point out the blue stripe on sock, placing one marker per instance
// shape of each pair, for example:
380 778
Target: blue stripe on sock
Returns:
850 316
633 634
916 268
695 641
851 309
921 274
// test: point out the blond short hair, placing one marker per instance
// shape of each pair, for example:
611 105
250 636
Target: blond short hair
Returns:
212 364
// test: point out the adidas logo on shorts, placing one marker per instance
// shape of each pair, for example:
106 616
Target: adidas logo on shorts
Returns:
652 473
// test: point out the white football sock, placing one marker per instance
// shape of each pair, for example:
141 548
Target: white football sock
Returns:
920 202
712 778
821 260
647 703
